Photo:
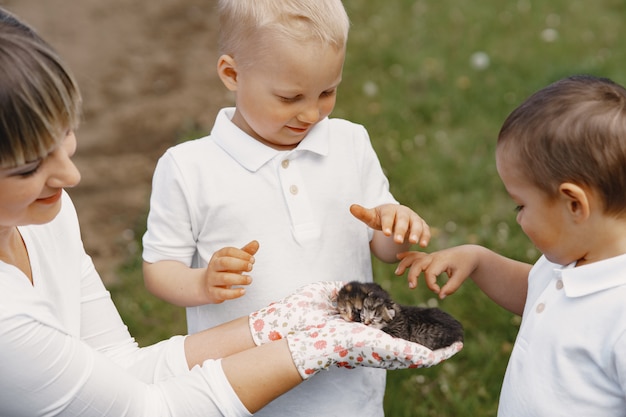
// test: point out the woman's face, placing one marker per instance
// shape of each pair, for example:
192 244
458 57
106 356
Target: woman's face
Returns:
31 193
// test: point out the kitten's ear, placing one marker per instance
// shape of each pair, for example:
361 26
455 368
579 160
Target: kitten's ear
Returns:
390 313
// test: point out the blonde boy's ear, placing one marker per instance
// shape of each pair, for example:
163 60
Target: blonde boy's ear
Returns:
227 71
577 199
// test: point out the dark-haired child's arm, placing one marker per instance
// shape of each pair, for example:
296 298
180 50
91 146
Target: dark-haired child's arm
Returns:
504 280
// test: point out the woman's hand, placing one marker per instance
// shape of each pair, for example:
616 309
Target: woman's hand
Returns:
348 344
309 306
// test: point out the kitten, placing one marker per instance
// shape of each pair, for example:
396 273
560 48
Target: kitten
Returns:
370 304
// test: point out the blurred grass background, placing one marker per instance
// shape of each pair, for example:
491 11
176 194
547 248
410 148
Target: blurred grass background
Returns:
432 81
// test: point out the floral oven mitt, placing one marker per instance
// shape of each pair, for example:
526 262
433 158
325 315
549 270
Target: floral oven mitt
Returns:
318 337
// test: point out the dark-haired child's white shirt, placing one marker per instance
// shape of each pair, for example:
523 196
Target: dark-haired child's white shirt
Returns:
64 349
569 358
227 189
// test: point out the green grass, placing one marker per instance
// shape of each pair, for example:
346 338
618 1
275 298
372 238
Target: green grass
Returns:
433 118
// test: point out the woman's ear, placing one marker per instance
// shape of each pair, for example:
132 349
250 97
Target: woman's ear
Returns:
577 199
227 71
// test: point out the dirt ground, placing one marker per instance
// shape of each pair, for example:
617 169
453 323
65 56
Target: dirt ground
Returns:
147 72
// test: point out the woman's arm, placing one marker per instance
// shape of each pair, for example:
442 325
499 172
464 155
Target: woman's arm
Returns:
46 371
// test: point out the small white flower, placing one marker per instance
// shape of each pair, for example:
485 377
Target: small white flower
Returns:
479 60
549 35
370 89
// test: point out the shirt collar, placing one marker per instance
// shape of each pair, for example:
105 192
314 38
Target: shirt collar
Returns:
252 154
595 277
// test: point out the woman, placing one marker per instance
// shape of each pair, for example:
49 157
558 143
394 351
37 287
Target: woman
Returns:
64 349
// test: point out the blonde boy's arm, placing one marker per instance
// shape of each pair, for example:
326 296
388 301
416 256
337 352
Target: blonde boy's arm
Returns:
396 228
176 283
221 280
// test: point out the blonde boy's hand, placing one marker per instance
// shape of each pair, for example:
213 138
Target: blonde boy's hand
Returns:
457 263
394 219
227 269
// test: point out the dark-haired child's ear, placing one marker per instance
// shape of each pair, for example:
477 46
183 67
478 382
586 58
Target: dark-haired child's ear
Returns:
227 71
577 199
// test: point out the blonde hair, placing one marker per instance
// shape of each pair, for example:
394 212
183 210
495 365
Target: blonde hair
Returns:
573 130
39 98
242 22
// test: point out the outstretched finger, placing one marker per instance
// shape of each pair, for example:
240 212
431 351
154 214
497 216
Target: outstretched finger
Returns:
367 216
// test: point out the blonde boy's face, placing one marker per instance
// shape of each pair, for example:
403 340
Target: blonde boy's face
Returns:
281 96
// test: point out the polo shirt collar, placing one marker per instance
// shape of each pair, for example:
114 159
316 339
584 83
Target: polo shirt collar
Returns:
252 154
595 277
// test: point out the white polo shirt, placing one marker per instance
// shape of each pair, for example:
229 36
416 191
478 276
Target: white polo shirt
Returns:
227 189
569 358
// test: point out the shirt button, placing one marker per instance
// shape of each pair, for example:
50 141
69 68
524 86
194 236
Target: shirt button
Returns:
293 189
559 284
540 308
285 163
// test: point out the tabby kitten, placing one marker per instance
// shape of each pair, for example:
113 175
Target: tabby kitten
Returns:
370 304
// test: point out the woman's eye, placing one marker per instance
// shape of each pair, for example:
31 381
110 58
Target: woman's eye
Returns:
28 169
30 172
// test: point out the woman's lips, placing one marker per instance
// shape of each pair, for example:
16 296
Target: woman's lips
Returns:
52 199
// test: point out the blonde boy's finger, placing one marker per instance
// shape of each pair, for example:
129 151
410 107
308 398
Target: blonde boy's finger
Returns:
425 236
251 247
401 228
367 216
220 294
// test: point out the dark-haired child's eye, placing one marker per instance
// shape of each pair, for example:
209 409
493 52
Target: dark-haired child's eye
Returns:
518 208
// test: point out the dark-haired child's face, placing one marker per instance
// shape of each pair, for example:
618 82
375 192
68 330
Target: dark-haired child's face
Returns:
541 217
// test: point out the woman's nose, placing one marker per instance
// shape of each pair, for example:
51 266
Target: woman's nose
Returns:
64 173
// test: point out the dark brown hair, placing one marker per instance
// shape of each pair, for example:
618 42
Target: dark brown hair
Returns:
573 130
